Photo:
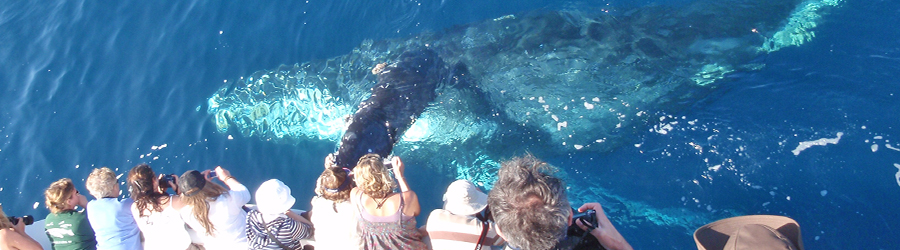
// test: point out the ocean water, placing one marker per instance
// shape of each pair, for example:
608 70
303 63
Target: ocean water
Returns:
87 84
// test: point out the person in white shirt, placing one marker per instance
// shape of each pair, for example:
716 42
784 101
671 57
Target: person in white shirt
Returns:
332 214
460 224
214 212
155 211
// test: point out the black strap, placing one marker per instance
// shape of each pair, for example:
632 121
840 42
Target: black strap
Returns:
266 228
484 229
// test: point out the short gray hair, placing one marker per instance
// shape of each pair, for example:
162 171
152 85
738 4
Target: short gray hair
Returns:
529 204
102 183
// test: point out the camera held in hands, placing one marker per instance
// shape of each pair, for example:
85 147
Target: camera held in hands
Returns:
28 220
388 164
577 238
213 174
164 181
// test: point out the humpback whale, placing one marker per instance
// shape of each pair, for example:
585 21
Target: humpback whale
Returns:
553 82
404 90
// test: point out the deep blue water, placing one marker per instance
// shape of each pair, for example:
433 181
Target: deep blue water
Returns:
87 84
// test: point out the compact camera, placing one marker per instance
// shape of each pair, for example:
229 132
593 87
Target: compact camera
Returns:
28 220
164 181
387 163
577 238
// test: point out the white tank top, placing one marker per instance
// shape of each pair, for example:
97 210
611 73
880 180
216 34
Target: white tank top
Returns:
163 230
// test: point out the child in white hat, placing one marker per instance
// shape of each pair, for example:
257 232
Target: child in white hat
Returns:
272 225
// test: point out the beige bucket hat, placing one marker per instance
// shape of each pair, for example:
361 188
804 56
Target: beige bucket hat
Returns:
750 232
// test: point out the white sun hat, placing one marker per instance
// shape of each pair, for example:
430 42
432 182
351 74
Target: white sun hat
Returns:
463 198
273 197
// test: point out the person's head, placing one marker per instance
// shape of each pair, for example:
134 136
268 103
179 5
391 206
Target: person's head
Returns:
372 177
529 204
197 193
463 198
142 186
61 196
102 183
273 197
4 221
334 184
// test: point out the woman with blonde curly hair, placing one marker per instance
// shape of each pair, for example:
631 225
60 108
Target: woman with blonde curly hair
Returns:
155 211
66 227
332 213
386 219
14 236
216 213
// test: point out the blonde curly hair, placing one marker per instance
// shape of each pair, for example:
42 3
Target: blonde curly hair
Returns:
372 177
58 194
102 183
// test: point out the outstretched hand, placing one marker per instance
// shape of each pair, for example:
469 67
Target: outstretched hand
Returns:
223 174
397 166
605 232
329 161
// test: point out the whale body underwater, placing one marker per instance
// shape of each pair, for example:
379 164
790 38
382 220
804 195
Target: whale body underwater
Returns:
550 82
404 89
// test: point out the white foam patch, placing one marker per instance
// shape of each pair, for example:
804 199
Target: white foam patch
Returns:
891 147
874 147
36 204
561 125
823 192
897 175
820 142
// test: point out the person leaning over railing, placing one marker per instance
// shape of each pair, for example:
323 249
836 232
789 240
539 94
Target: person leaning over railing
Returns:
387 219
272 225
216 213
13 236
66 227
155 211
531 211
461 224
331 213
111 218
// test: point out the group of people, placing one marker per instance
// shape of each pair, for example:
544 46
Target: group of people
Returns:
368 207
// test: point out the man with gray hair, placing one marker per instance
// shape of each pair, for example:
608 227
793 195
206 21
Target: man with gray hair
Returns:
111 219
531 210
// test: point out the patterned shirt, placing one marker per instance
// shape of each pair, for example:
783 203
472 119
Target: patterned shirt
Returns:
69 230
286 230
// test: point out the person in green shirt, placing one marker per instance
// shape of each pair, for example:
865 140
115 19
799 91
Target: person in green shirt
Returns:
67 228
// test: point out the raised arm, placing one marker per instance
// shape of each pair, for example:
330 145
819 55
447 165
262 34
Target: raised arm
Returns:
412 207
18 239
233 184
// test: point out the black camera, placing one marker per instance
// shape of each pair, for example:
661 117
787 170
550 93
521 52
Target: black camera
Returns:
28 220
577 238
164 181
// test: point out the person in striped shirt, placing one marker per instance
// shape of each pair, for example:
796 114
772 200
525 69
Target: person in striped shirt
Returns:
272 225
